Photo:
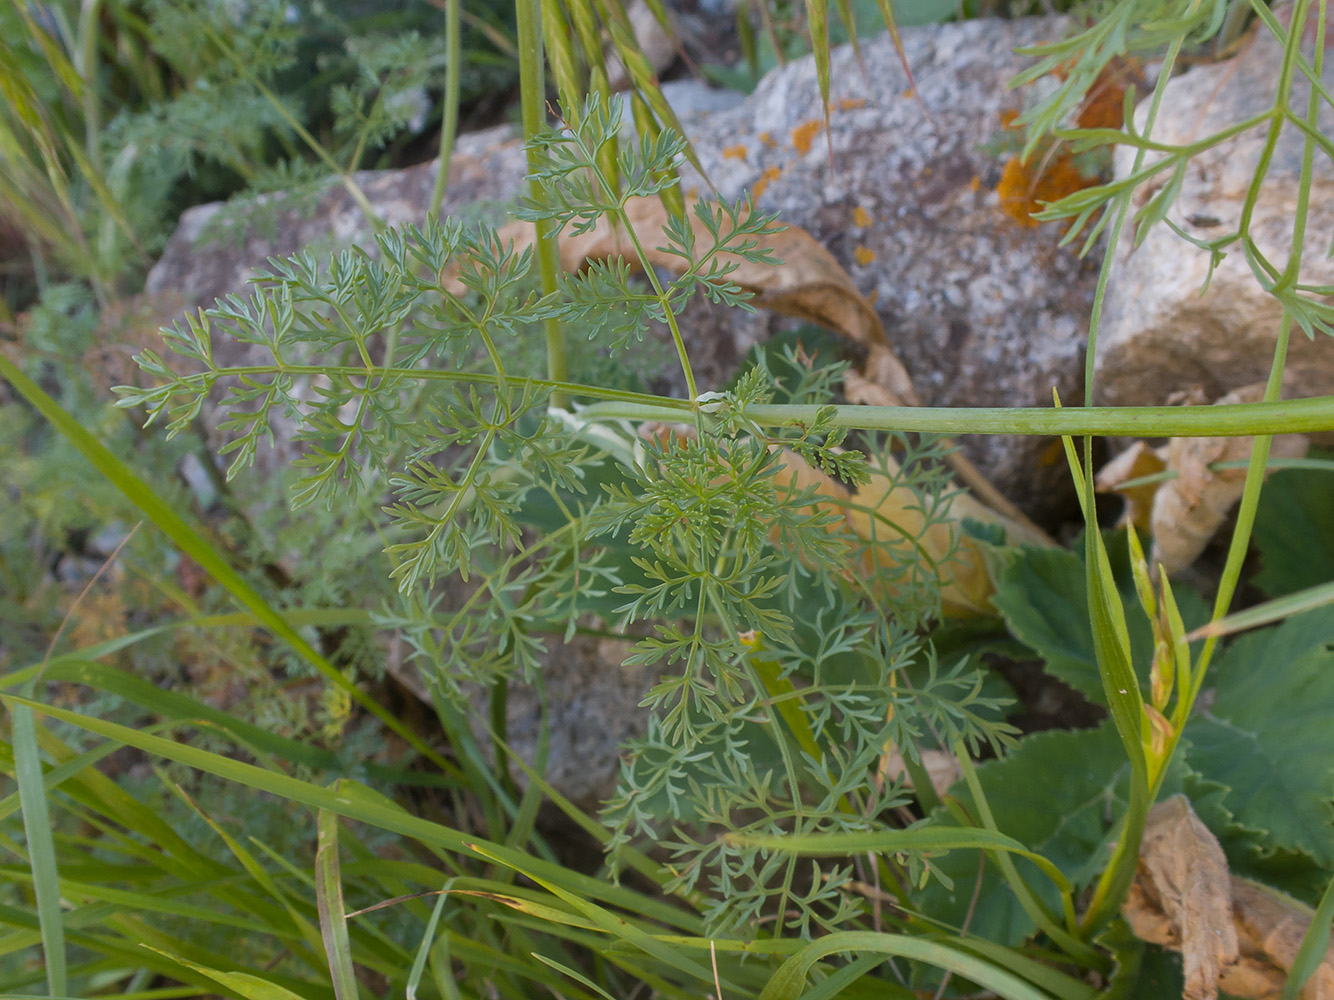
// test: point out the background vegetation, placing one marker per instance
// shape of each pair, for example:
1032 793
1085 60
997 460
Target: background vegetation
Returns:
217 790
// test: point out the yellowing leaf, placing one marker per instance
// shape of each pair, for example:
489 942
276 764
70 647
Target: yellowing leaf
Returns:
889 516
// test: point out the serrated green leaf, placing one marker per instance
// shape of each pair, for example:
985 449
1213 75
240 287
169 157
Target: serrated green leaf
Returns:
1294 532
1042 595
1058 794
1266 734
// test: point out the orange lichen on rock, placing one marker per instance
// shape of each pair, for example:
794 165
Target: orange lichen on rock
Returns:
1104 104
768 140
849 103
737 152
861 217
804 134
1027 187
770 174
864 254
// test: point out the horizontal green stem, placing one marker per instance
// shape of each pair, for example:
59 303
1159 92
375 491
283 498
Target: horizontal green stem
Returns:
1237 420
1242 419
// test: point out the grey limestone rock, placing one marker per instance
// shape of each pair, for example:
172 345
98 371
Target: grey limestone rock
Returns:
1159 334
983 311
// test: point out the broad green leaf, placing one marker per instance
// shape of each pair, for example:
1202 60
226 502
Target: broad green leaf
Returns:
1042 595
1059 794
1266 734
1294 530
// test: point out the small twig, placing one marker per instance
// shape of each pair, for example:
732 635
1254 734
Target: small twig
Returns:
87 587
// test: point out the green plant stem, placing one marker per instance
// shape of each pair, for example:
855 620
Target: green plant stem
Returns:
313 144
1115 878
1240 420
1288 416
86 64
532 100
1033 906
450 122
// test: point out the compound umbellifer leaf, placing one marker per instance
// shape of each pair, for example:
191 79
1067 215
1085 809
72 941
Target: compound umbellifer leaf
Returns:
1294 530
1058 794
1266 734
1041 594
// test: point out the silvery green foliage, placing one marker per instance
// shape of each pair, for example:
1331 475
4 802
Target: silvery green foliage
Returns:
785 675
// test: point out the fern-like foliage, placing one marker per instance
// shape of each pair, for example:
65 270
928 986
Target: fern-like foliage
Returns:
786 672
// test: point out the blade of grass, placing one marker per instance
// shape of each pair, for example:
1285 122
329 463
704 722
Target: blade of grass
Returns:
789 981
352 801
1033 906
198 548
1269 611
41 848
333 914
425 948
241 983
1314 946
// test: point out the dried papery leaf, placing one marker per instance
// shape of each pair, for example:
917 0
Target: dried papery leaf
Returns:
1270 928
883 381
890 516
942 767
810 284
886 383
1189 509
1135 462
1181 896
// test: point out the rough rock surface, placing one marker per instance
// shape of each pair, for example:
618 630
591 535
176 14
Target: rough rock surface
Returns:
1159 334
983 311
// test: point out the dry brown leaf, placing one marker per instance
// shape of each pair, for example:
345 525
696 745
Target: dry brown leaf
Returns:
1181 896
810 284
883 381
1136 461
1188 510
1232 934
890 515
942 767
1270 927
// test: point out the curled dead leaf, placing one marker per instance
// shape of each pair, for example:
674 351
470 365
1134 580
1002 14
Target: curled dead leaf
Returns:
1135 462
1271 927
1233 934
889 517
1189 509
1181 899
810 284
